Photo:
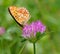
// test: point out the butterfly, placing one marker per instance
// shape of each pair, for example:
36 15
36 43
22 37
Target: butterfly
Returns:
20 15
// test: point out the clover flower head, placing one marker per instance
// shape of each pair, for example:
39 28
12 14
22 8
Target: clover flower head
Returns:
33 28
2 30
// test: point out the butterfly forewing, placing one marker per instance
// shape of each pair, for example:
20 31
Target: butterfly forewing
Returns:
21 15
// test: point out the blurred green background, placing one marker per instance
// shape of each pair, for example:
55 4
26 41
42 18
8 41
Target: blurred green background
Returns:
48 11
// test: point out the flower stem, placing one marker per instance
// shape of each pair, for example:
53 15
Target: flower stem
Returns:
34 48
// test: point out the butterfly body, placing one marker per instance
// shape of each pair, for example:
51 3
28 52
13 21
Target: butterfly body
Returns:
20 15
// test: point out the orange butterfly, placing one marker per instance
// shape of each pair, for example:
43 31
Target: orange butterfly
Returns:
20 15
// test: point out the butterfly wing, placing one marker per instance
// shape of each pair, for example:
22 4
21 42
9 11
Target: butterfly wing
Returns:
20 15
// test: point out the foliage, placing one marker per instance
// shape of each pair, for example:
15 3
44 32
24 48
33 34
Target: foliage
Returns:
48 11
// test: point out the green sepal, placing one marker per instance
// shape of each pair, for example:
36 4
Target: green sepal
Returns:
39 35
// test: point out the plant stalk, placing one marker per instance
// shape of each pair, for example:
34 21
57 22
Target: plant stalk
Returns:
34 47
